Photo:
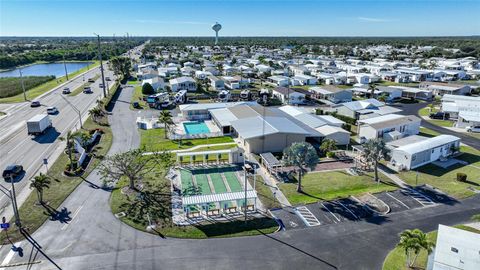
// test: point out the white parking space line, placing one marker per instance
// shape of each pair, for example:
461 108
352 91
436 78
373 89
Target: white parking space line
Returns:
307 216
391 196
420 198
356 217
324 206
9 256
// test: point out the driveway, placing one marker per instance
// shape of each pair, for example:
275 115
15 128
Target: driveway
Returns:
412 109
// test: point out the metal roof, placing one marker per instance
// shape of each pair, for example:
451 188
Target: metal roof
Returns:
270 159
328 130
427 144
221 197
254 127
224 116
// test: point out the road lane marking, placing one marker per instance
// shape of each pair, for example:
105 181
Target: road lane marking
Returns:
346 208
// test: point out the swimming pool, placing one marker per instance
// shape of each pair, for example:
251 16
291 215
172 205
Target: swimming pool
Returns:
195 128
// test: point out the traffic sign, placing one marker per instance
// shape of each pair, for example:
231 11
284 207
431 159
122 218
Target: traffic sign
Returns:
5 226
45 161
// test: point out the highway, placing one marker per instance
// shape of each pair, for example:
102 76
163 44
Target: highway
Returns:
17 147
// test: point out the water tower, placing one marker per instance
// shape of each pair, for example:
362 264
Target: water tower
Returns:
216 27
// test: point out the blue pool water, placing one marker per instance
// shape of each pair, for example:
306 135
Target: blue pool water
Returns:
195 128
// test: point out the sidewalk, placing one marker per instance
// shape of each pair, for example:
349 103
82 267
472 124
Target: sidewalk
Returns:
192 148
271 183
392 176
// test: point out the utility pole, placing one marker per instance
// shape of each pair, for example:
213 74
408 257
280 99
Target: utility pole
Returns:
65 66
245 175
23 86
75 109
14 204
101 65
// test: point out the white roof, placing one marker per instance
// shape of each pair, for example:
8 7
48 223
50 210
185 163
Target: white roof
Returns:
380 119
473 116
37 117
467 244
221 197
328 130
224 116
181 80
209 106
427 144
258 126
331 120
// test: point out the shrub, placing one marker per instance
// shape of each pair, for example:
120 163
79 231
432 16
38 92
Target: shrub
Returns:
462 177
330 154
11 86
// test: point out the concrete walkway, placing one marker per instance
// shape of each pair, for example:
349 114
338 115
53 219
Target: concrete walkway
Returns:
193 148
382 169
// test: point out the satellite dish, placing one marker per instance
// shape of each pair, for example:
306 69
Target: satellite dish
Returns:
216 27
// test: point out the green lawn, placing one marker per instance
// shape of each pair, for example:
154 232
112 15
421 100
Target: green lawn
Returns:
37 91
332 185
264 193
33 215
157 184
396 259
154 140
443 123
388 83
138 97
445 179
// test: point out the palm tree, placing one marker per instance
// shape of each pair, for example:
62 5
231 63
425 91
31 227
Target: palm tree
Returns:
39 183
96 113
374 150
372 88
70 144
165 118
412 242
301 155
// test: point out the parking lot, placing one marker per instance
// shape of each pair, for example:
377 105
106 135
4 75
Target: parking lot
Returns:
350 209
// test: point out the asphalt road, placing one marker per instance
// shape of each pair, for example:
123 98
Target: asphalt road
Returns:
412 109
17 147
95 239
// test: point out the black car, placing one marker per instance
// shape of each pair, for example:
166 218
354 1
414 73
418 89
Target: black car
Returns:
12 171
35 103
440 115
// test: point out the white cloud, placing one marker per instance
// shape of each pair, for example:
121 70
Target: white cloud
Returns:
376 20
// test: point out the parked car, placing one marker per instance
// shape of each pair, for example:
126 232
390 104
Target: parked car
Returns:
52 110
35 103
473 129
100 85
12 171
440 115
108 79
66 91
87 90
91 80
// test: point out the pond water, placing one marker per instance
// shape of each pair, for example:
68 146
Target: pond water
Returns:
55 69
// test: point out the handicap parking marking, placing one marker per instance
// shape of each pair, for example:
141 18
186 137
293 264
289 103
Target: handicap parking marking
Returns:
307 216
391 196
338 220
419 197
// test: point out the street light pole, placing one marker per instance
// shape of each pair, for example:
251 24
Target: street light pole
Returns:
75 109
245 176
65 66
101 65
11 194
23 86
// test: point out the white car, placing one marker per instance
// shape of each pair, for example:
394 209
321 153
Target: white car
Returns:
473 129
52 110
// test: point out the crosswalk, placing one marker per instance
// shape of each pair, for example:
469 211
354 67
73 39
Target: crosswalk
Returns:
419 197
307 216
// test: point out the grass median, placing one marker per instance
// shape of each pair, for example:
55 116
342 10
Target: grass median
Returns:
33 215
38 90
79 89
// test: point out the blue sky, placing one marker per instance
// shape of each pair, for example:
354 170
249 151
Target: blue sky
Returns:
240 18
